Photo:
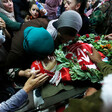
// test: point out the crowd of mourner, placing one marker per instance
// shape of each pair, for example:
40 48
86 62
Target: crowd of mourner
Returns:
56 55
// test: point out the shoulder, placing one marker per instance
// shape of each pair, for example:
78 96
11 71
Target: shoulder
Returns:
39 22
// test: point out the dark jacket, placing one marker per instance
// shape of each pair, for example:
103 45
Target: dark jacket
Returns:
17 56
19 7
85 25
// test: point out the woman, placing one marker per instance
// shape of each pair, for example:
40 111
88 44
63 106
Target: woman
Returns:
7 14
79 6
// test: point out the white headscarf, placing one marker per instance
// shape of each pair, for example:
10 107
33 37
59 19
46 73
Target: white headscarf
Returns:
9 15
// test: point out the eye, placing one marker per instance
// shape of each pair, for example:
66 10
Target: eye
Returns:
68 2
4 1
37 10
33 9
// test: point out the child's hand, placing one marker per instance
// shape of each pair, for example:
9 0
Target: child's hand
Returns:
43 12
27 18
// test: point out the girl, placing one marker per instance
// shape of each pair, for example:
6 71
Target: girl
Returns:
33 12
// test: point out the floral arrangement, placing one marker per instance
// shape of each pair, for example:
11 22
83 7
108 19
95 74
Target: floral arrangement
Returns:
69 60
99 43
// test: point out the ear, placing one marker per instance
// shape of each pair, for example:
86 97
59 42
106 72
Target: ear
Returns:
77 6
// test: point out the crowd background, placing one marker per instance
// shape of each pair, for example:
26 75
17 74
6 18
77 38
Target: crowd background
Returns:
32 30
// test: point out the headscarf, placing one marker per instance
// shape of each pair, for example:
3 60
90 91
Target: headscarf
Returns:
51 6
38 41
9 15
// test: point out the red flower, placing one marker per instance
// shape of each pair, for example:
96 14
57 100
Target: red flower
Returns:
96 41
69 56
87 35
97 38
78 35
84 67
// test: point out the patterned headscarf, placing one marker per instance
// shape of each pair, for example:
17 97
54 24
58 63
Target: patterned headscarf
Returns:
51 7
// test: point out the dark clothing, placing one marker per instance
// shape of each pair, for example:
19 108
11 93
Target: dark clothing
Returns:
19 6
43 1
85 25
17 57
10 25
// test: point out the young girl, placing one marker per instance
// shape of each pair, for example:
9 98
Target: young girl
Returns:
33 12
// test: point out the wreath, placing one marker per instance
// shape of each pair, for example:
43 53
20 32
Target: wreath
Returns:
69 60
99 43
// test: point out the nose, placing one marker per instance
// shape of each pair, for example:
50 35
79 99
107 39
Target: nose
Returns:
65 6
35 11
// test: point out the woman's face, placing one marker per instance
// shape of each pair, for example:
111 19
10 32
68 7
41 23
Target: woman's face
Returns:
34 11
8 5
70 4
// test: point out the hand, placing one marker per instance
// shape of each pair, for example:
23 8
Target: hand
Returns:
108 37
35 81
43 12
95 56
27 18
2 23
27 73
90 91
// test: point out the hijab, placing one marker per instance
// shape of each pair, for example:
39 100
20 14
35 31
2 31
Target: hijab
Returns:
51 6
8 14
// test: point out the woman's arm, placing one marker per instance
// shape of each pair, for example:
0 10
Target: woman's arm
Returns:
20 97
10 24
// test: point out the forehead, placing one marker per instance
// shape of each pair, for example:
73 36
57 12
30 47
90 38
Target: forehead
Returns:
5 0
34 6
70 1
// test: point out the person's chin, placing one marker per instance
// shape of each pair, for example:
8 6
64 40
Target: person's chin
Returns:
10 10
66 9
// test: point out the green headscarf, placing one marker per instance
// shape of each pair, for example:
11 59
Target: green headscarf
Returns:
38 41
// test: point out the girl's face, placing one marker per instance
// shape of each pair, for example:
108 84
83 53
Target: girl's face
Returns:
69 4
34 11
8 5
